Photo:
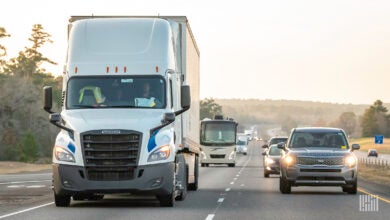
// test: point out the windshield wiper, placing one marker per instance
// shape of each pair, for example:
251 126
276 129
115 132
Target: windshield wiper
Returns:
123 106
86 106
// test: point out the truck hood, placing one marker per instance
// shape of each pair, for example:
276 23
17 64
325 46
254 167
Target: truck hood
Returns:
128 119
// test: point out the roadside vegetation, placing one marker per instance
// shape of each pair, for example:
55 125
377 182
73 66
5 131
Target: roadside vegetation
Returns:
373 173
368 143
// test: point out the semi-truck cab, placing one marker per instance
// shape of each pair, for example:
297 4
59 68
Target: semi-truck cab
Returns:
130 114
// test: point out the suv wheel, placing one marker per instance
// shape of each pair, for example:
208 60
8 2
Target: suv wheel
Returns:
284 185
61 201
351 189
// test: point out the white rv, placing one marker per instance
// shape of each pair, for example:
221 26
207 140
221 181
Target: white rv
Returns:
218 142
128 124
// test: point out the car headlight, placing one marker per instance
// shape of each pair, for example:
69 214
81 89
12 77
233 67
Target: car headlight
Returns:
161 153
350 161
231 155
62 154
204 157
289 160
269 161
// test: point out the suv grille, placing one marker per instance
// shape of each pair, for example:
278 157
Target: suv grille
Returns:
111 157
320 161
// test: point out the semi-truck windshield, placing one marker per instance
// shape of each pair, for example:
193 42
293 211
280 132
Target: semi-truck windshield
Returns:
218 134
116 92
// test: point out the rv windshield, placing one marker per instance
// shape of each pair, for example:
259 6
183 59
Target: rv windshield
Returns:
116 92
218 134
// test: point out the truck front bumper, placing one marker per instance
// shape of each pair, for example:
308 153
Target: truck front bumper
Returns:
151 179
320 176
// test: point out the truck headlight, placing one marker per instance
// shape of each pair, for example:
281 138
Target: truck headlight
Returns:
62 154
161 153
269 161
350 161
204 157
289 160
231 155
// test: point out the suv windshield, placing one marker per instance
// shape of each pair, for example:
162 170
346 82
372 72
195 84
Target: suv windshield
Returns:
277 141
318 139
116 92
274 150
217 133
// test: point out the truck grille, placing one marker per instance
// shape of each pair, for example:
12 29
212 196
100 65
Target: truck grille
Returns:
111 155
320 161
217 156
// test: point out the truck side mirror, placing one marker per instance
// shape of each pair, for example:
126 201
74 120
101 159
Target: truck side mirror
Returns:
168 117
185 97
355 147
47 99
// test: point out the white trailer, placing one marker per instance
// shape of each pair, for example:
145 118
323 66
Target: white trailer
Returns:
128 122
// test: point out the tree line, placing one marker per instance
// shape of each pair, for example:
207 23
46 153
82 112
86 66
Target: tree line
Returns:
25 131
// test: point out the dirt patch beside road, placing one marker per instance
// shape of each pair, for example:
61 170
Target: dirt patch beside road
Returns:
8 167
376 174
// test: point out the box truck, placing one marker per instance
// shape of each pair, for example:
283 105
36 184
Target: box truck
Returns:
130 109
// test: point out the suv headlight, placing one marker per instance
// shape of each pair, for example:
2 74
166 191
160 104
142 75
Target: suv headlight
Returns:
161 153
62 154
289 160
350 161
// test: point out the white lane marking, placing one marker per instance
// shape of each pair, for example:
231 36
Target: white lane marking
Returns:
36 186
231 183
227 189
221 199
25 210
242 185
237 175
234 178
18 182
15 186
210 217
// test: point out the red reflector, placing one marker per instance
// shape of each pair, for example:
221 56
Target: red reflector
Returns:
116 69
75 69
156 69
124 69
107 69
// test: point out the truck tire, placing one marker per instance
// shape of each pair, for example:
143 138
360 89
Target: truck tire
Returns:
284 185
61 201
194 186
351 189
231 164
266 174
183 192
167 200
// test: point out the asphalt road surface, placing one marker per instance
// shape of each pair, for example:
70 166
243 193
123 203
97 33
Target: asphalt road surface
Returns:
224 193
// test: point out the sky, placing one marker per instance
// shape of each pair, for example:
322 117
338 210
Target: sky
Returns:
329 51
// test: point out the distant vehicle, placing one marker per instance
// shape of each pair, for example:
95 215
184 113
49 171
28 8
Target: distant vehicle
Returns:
218 142
249 134
372 153
318 157
242 146
271 160
275 140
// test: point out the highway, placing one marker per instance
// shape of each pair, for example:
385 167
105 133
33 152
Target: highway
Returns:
224 193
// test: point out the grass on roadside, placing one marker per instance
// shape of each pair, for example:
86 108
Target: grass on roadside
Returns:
376 174
368 143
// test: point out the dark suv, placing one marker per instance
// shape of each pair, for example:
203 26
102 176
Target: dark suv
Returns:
318 157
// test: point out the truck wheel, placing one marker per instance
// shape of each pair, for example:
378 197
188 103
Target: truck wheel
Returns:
167 200
61 201
183 192
203 165
284 185
194 186
231 164
245 154
351 189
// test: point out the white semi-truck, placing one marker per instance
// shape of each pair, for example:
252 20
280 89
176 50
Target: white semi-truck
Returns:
130 114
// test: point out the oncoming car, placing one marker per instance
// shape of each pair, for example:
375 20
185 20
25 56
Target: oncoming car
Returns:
318 157
271 160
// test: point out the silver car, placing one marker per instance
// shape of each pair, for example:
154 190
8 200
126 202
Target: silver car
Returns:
318 157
